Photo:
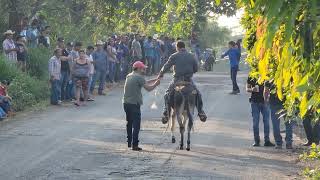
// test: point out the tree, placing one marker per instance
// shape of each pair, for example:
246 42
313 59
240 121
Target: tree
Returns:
173 17
283 39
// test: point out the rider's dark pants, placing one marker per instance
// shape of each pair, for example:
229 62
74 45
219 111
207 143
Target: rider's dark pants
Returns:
133 116
169 94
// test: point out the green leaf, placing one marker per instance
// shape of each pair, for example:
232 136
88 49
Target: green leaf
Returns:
303 85
303 105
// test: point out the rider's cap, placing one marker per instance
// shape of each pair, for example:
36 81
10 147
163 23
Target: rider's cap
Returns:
139 65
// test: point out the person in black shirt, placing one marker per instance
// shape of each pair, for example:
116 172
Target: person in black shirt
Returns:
21 53
65 69
276 111
258 106
44 38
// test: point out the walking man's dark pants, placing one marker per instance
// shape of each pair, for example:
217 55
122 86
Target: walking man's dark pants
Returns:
312 132
133 115
234 71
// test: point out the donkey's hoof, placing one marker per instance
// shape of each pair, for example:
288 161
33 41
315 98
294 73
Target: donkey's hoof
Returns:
173 140
165 120
188 148
181 147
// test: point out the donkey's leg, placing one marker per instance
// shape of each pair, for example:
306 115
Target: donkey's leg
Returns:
181 124
190 113
190 125
173 126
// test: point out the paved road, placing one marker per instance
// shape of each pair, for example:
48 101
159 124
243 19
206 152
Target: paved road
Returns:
63 143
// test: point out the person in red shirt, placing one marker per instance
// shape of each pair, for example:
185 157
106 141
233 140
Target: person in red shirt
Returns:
3 88
5 99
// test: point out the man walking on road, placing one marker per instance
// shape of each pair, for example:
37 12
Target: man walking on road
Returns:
234 55
132 101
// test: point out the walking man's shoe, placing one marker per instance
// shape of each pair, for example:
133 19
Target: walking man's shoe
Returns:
256 144
129 145
233 93
268 144
136 148
289 146
309 143
278 146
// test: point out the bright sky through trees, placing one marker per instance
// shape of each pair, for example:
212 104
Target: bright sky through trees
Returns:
233 22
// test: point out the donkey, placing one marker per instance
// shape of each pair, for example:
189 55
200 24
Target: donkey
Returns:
182 108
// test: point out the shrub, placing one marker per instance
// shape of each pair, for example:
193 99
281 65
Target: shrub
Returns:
24 89
313 158
38 62
7 71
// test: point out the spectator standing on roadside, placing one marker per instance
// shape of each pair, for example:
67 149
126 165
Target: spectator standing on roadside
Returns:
74 54
24 26
136 49
33 34
166 50
89 51
276 112
44 38
69 47
65 69
174 44
150 54
21 53
9 47
80 74
100 61
123 56
258 106
132 101
233 54
142 40
112 60
55 75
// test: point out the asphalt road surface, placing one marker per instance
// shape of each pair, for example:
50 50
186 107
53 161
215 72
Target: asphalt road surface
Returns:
89 143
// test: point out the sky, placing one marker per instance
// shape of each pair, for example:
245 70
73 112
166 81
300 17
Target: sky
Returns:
233 22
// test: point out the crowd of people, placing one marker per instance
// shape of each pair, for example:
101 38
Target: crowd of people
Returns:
74 71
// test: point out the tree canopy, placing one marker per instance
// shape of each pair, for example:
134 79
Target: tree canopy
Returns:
283 39
97 17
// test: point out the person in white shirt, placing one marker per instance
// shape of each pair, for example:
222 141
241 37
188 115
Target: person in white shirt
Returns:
9 47
55 75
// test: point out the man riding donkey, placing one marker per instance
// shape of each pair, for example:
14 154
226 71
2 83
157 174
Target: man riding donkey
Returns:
185 65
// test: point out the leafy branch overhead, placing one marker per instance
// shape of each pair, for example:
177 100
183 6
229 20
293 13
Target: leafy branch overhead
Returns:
283 38
173 17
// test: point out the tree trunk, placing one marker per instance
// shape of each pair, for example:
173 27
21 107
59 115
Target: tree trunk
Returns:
14 16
